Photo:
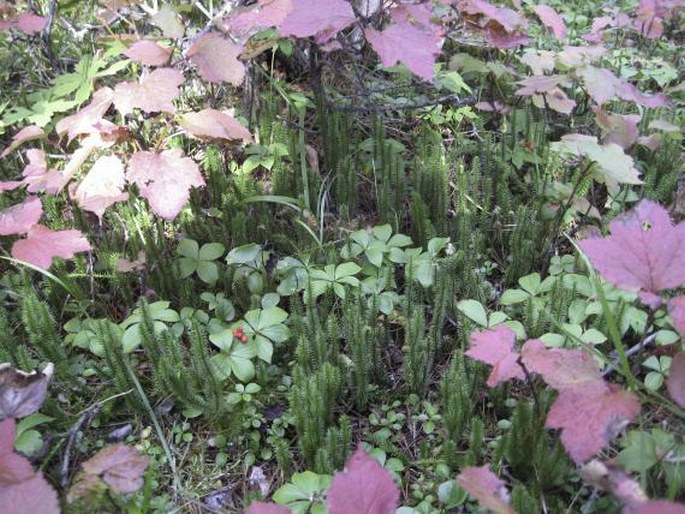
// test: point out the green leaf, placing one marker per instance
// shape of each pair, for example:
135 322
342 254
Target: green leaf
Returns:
346 269
131 339
530 283
32 421
243 254
640 452
271 316
375 253
398 256
654 380
255 283
339 290
424 272
318 287
496 318
399 240
436 244
211 251
29 442
552 340
187 266
189 248
512 296
475 311
222 340
383 232
276 333
265 348
614 166
593 336
270 300
208 272
221 366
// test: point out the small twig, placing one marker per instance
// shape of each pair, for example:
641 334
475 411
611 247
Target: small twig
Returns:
612 366
85 419
452 100
86 416
52 9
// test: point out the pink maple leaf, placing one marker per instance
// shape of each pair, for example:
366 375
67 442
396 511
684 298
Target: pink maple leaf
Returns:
551 19
602 85
243 22
618 128
216 59
364 487
486 488
214 124
154 93
574 56
102 186
21 488
501 25
82 122
19 218
26 134
407 44
42 244
591 418
164 179
539 84
561 368
267 508
676 309
30 23
148 53
320 18
497 347
539 61
38 177
676 379
10 185
655 507
556 100
644 252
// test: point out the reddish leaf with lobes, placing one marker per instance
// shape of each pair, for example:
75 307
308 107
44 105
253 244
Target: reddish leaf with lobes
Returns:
82 122
148 53
644 252
42 244
154 93
561 368
216 59
22 394
120 466
243 22
364 487
497 347
551 19
19 218
215 124
676 379
676 309
164 179
267 508
22 490
320 18
484 486
102 186
26 134
591 419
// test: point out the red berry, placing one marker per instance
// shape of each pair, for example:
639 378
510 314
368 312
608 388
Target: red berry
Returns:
243 338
